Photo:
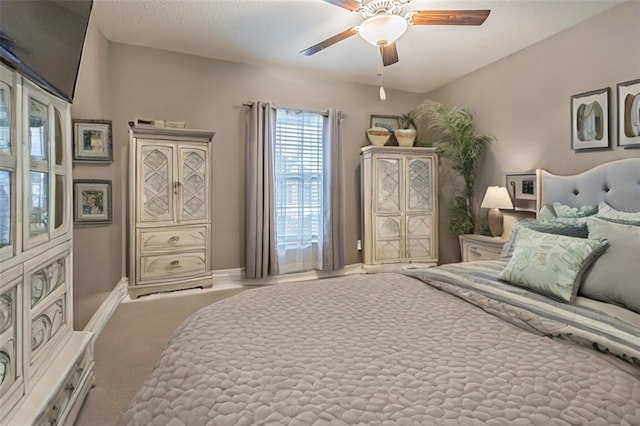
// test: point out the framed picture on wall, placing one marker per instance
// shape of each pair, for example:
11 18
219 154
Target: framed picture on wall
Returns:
590 120
389 122
92 141
92 201
629 114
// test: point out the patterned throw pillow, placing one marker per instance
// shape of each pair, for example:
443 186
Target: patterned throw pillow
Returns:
571 227
565 211
606 212
551 264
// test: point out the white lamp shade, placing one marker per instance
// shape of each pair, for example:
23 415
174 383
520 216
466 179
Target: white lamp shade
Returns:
383 29
496 197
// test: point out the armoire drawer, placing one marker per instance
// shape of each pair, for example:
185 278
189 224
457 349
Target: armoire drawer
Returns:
171 265
154 240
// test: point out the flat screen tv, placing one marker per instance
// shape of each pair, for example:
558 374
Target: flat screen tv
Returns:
43 40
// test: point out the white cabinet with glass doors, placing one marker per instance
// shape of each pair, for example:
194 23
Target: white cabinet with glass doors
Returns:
36 286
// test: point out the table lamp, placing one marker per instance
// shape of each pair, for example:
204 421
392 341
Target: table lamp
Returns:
496 198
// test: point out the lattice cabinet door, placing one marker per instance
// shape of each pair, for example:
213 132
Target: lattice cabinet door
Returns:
387 206
192 188
419 208
157 186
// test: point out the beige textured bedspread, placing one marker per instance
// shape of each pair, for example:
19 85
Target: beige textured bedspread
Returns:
377 350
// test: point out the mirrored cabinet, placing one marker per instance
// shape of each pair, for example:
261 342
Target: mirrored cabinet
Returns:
46 190
39 350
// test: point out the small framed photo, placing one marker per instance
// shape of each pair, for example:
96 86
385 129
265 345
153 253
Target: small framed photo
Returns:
629 113
92 141
590 120
389 122
92 201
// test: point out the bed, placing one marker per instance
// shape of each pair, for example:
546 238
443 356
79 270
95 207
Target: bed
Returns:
456 344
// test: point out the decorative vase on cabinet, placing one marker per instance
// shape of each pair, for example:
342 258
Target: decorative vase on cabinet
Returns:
399 205
170 221
405 137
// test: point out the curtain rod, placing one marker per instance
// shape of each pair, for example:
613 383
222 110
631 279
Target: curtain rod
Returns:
325 113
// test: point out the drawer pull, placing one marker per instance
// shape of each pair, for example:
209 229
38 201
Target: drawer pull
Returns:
475 251
174 264
173 239
70 388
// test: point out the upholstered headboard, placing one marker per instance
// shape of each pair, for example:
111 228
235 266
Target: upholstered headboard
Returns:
617 183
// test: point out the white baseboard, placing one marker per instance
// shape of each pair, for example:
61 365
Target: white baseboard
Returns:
104 312
302 276
224 279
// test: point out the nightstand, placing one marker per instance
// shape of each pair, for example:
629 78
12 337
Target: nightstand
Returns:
480 247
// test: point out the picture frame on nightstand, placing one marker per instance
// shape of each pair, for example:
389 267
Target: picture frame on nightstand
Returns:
522 188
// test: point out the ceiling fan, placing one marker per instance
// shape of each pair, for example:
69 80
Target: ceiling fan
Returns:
384 24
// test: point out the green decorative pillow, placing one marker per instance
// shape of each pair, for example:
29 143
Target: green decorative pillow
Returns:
546 212
565 211
606 212
551 264
571 227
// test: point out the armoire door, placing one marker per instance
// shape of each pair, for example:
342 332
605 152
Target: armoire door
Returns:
388 206
193 175
419 205
157 185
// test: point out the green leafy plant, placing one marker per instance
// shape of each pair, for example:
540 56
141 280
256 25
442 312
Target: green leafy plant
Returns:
453 134
407 120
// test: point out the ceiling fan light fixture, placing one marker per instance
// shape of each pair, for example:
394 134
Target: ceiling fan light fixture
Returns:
383 29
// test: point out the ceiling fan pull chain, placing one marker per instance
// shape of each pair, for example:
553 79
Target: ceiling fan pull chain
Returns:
383 94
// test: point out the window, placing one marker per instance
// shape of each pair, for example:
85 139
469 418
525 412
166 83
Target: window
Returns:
298 182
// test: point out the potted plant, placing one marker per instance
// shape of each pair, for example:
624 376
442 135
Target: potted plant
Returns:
407 132
452 131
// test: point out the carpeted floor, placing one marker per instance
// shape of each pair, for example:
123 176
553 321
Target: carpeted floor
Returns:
129 346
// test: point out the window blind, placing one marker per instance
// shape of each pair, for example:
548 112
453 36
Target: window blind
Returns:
298 177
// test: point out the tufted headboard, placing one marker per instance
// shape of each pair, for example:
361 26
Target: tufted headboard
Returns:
617 183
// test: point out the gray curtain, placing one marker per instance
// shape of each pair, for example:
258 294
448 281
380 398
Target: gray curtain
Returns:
333 238
260 249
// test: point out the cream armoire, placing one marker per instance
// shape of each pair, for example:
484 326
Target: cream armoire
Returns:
399 206
46 367
170 209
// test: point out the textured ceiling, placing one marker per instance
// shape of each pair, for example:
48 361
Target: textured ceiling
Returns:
273 32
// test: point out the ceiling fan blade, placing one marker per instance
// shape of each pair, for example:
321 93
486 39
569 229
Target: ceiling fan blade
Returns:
330 41
449 17
352 5
389 54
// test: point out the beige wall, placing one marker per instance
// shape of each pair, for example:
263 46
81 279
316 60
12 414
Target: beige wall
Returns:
97 248
207 94
524 100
